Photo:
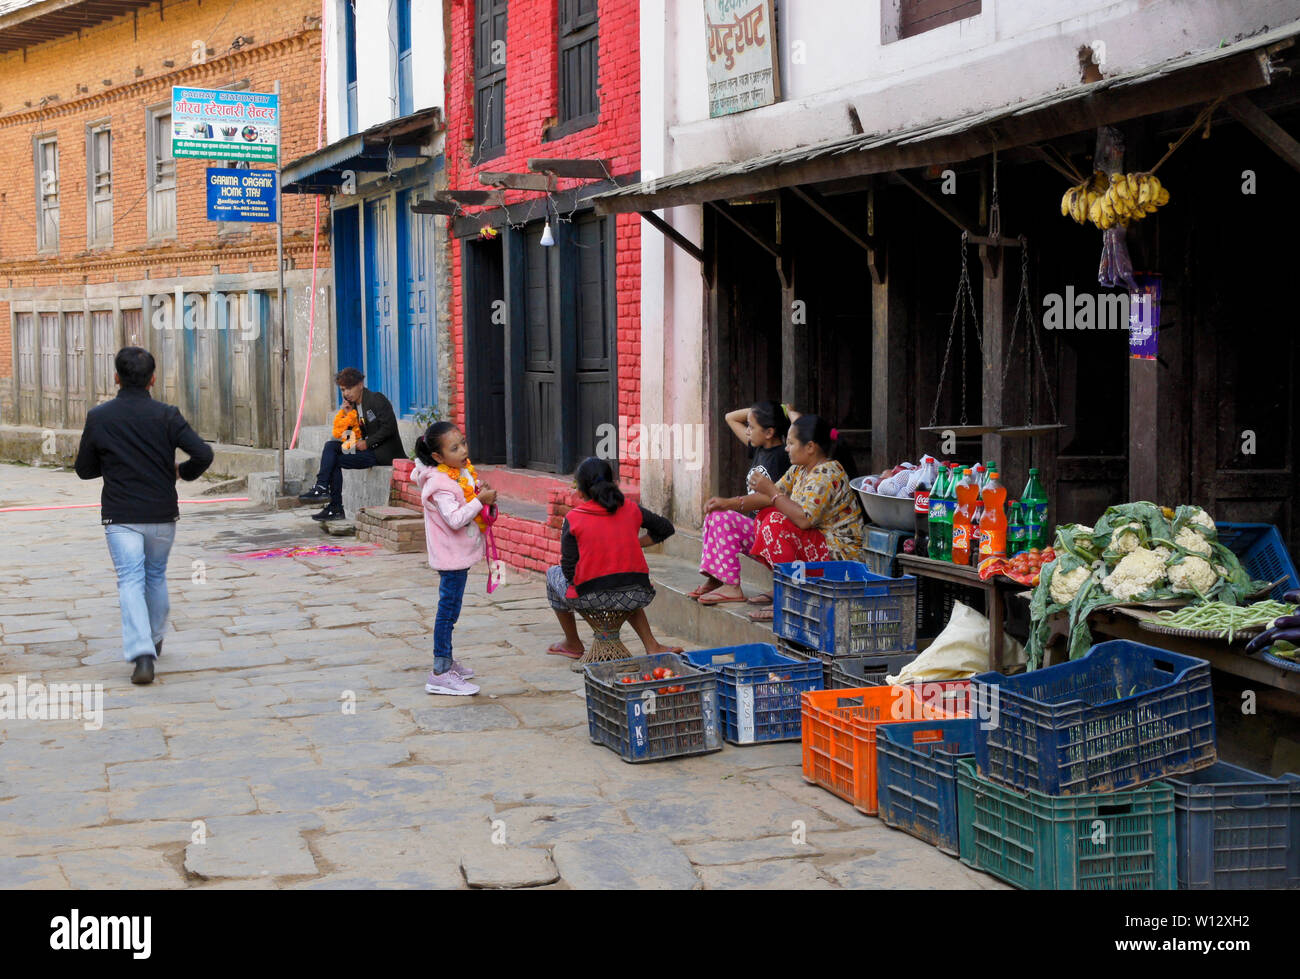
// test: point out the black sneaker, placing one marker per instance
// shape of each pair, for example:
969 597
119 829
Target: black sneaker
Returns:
315 494
143 670
329 513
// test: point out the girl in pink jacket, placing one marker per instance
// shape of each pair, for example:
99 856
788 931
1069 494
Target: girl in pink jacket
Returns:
454 520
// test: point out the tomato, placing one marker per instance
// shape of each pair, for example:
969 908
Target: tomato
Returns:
626 679
668 673
659 672
646 676
1034 552
1035 581
664 690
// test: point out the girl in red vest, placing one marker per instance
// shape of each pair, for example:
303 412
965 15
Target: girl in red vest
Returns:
601 566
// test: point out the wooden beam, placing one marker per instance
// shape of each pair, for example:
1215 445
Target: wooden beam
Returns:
761 242
673 235
1261 124
470 197
814 200
447 208
588 169
961 223
519 181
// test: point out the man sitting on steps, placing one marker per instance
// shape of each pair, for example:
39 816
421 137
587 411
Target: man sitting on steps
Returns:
379 445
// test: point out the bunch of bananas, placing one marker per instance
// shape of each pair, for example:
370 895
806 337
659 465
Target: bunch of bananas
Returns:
1114 200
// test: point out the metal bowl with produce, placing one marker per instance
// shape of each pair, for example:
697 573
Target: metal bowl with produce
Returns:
891 512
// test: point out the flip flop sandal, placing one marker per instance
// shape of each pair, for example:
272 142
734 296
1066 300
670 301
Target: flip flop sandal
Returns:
556 649
763 615
723 600
699 593
760 600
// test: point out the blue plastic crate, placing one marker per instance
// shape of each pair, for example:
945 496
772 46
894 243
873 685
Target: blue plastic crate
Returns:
1097 841
841 608
640 724
1237 829
1122 715
916 777
756 708
882 548
1262 552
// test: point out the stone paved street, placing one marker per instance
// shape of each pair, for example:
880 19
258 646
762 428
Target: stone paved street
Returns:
239 766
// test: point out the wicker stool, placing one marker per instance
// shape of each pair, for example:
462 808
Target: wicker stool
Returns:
606 646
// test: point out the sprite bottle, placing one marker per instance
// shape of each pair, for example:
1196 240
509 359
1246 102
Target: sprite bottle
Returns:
1033 502
940 541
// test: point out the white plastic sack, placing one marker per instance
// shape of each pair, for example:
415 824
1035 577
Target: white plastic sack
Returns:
959 652
896 484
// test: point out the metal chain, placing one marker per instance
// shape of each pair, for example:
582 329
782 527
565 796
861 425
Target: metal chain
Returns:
1022 303
962 283
995 209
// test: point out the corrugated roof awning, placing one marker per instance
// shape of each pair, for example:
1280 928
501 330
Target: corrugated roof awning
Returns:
325 171
24 23
1174 84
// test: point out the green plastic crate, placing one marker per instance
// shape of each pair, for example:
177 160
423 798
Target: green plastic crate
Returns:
1113 841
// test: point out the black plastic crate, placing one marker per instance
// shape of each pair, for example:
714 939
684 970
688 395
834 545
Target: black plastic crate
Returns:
865 671
639 722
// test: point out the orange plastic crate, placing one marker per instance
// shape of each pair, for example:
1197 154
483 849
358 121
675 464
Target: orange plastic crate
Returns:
839 736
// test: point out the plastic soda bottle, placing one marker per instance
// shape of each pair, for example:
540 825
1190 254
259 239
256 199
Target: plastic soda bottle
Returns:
1016 530
993 523
962 526
938 541
1033 501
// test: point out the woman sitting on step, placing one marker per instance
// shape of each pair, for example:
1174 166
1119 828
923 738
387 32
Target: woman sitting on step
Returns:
815 515
602 568
729 523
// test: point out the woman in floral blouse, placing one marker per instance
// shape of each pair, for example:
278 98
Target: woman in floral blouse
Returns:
815 515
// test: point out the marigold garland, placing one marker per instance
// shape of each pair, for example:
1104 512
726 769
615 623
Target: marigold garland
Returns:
467 484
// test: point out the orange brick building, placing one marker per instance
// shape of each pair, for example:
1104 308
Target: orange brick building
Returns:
97 247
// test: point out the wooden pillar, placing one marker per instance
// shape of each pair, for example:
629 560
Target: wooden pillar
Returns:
796 339
891 441
1003 404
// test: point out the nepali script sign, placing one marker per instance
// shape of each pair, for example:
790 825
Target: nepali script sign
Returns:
742 65
211 124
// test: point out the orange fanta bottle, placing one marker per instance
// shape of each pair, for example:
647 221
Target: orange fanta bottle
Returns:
993 524
968 494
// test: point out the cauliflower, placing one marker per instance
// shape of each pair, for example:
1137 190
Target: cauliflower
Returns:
1137 572
1193 541
1124 539
1065 585
1163 553
1205 520
1192 574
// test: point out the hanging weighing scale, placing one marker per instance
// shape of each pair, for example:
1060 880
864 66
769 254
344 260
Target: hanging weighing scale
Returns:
1023 305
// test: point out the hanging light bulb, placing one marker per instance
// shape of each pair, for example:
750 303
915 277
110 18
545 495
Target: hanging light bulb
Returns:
548 239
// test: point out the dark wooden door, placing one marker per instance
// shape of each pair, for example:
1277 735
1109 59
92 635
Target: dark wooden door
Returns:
485 350
595 313
541 336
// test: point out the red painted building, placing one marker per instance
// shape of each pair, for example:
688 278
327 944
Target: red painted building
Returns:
546 337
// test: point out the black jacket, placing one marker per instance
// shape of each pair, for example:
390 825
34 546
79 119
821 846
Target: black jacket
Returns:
131 441
379 428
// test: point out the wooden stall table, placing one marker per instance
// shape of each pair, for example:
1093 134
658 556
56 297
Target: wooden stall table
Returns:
1115 623
996 590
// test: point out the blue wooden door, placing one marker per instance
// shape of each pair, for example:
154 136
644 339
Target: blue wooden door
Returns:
347 288
381 323
419 340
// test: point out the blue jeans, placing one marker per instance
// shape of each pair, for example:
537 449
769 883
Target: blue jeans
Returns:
139 553
451 592
333 460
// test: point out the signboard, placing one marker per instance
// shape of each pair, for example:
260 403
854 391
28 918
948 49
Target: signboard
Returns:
1144 318
211 124
241 195
742 66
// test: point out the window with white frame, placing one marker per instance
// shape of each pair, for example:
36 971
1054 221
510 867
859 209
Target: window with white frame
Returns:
405 94
99 185
47 193
350 62
160 176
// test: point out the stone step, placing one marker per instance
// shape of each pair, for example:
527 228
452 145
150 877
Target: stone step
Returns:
707 627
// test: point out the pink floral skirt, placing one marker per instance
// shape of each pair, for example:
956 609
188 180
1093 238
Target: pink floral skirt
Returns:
727 534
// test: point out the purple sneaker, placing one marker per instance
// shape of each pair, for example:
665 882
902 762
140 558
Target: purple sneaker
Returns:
466 672
449 684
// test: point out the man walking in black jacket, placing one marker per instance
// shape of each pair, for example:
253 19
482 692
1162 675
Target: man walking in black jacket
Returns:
380 444
131 442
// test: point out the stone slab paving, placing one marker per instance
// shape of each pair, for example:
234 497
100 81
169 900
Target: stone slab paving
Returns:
288 742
